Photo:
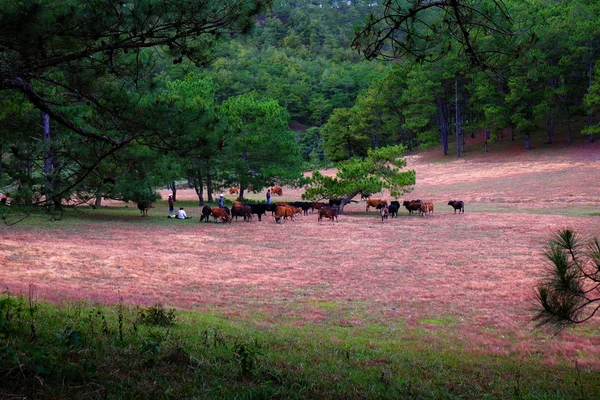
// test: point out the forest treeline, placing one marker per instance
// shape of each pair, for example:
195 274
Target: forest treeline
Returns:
114 99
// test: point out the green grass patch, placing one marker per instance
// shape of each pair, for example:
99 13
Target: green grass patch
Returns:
82 350
439 321
326 305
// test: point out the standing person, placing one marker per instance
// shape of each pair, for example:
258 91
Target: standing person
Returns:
268 196
221 201
171 204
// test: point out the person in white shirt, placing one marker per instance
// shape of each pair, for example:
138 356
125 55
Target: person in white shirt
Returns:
181 214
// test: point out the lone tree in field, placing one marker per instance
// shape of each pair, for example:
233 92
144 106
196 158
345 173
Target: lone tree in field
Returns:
380 169
570 292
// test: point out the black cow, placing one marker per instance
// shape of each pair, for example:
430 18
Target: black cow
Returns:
304 205
393 210
258 209
271 207
206 211
458 205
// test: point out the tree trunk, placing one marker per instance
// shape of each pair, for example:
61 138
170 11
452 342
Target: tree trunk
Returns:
47 156
98 202
456 117
200 193
209 189
174 190
590 111
568 131
512 133
550 127
443 125
485 143
241 191
346 199
527 142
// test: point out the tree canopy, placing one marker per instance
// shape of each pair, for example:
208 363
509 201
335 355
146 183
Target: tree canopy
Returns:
381 168
88 64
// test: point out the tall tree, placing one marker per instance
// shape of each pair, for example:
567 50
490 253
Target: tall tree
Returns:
343 139
259 148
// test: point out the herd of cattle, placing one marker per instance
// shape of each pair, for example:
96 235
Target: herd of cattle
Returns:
283 210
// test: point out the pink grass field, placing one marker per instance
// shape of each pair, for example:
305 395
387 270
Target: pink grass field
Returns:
453 280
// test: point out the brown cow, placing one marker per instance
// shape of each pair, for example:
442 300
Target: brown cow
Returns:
277 190
376 203
241 210
318 205
426 208
143 206
233 190
220 213
285 212
413 205
328 212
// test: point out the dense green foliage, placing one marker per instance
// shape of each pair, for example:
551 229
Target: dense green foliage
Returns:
91 91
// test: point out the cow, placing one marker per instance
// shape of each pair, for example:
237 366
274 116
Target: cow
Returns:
384 211
393 210
458 205
413 205
426 208
143 206
335 202
304 205
285 212
317 205
328 212
233 190
206 211
242 210
375 203
220 213
271 207
395 203
258 209
277 190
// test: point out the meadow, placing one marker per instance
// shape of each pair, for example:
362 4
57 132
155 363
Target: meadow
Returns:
422 307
